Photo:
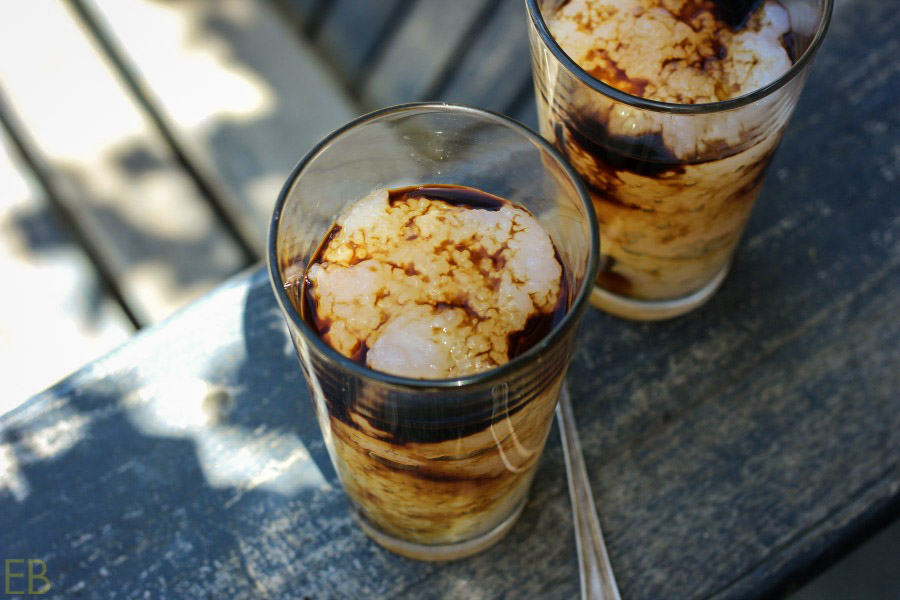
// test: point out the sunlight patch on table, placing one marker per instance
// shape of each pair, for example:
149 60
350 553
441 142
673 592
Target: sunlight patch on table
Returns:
53 439
190 62
11 477
229 455
57 430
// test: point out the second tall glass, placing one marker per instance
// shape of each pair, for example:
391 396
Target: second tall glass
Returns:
673 200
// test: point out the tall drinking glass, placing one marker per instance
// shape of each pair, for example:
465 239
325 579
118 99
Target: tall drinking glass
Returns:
434 469
673 199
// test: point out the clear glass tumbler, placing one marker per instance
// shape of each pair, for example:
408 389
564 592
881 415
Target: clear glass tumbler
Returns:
434 469
672 201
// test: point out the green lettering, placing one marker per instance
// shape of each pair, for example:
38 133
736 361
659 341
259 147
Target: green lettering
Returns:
9 574
42 575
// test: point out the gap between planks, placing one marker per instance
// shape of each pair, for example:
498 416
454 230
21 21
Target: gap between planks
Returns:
239 94
108 165
55 313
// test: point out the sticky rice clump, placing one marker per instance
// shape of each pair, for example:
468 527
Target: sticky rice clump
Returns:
427 289
673 50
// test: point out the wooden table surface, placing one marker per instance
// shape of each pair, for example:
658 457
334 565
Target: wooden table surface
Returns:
732 451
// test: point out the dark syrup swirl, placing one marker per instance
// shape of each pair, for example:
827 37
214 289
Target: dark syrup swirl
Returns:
431 423
536 327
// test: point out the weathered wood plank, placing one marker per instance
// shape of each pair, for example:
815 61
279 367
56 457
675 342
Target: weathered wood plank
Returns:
810 301
497 65
54 314
225 414
242 95
114 173
745 475
759 472
420 50
353 30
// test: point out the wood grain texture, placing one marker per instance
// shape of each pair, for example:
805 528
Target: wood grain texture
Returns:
729 449
242 95
112 170
213 478
54 313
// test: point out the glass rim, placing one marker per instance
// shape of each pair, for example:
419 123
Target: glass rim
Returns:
537 20
568 321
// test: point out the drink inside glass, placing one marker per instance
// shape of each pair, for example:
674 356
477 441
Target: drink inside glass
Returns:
671 111
432 263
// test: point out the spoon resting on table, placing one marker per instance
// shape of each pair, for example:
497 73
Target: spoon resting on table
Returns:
594 569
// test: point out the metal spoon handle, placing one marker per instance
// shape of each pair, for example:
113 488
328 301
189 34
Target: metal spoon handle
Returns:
595 571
